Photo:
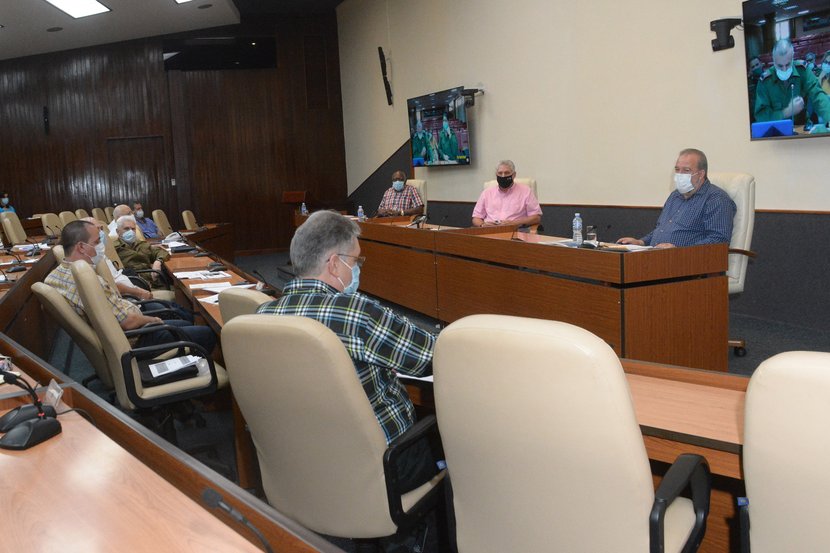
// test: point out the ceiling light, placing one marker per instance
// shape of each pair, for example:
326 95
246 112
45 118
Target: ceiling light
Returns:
79 8
182 1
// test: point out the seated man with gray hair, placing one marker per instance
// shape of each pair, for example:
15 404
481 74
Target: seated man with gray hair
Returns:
509 202
136 254
117 213
326 257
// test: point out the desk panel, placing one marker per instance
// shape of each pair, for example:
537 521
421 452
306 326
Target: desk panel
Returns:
399 274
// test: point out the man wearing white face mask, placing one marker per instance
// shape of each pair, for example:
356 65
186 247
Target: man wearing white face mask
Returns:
697 212
134 253
400 199
783 94
146 224
326 257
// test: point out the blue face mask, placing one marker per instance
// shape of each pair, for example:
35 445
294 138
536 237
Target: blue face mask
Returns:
5 201
352 287
397 185
128 236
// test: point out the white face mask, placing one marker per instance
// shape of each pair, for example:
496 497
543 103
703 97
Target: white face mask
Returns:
784 75
140 213
128 236
683 182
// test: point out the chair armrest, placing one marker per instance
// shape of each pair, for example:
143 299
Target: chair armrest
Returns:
153 351
162 277
146 329
419 430
165 303
688 471
747 253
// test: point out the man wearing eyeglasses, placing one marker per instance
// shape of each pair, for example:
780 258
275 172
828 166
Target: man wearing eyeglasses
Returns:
326 257
697 212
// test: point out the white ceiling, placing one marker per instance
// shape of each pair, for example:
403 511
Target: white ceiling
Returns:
25 23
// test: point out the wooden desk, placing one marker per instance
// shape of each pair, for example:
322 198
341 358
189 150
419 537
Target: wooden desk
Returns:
83 491
643 304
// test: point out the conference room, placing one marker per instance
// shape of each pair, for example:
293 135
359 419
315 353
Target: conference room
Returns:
591 102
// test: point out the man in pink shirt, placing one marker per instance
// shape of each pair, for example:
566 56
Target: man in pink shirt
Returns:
507 203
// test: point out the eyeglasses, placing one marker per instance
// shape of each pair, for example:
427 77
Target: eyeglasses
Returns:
359 259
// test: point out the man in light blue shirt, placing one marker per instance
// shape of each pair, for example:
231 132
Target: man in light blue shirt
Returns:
146 224
697 212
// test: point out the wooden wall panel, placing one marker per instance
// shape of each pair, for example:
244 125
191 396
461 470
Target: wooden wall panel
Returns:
120 126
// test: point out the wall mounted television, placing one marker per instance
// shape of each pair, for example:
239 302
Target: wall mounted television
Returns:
438 128
788 67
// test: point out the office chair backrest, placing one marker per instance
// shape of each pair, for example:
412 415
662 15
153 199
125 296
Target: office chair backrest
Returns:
525 181
109 249
99 214
539 433
12 228
66 217
81 213
421 187
160 218
786 452
78 329
189 220
52 225
109 214
58 252
240 301
319 444
741 188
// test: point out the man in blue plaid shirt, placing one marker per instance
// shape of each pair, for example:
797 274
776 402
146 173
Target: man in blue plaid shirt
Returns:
697 212
326 257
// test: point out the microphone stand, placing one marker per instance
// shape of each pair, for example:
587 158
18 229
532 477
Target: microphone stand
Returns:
18 266
272 291
27 425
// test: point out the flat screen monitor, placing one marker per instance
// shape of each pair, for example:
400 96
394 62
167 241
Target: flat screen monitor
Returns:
438 129
788 68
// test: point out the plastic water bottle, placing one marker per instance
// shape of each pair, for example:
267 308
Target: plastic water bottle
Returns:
577 226
361 216
303 209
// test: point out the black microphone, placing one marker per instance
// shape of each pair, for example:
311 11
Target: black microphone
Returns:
35 251
27 425
417 221
18 266
51 234
5 276
213 500
272 291
441 222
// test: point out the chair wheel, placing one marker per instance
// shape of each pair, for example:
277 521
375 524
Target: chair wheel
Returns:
739 351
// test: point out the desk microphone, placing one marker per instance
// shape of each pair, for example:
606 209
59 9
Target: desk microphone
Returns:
18 266
51 234
213 499
27 425
35 251
441 222
273 289
417 221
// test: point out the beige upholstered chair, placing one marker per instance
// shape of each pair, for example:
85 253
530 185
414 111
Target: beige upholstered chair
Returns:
189 220
160 218
108 213
78 329
52 225
58 252
741 188
66 217
240 301
130 392
539 433
12 228
81 213
785 452
525 181
99 214
421 187
319 445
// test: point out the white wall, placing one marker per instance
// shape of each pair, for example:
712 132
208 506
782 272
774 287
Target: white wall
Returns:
593 99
